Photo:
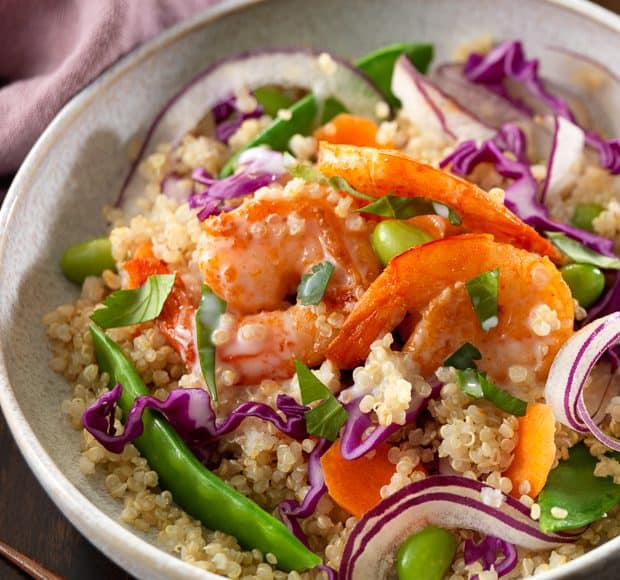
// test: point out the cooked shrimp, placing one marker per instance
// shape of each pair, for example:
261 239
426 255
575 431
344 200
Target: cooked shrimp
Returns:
254 258
535 307
379 172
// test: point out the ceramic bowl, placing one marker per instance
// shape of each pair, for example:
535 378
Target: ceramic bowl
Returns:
79 163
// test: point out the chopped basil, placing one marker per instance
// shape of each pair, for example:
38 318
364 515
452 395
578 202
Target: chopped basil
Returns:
464 357
483 291
207 318
573 487
127 307
326 419
447 212
398 207
582 254
312 175
475 384
313 285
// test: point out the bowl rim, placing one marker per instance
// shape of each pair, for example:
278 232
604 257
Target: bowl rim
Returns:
118 543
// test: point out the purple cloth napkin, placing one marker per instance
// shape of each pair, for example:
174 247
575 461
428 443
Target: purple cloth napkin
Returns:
50 50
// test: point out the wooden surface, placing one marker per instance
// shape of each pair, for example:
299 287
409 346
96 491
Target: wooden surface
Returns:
30 522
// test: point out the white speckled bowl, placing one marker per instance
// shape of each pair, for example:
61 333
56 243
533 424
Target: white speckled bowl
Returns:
79 162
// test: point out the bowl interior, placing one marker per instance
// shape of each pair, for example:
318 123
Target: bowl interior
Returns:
79 164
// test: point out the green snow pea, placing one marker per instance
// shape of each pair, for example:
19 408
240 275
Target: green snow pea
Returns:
89 258
378 65
573 487
426 554
196 489
272 100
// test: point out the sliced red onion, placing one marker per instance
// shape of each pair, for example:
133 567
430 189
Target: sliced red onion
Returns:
356 438
190 413
570 369
443 500
487 550
567 148
291 510
259 167
429 108
249 71
507 64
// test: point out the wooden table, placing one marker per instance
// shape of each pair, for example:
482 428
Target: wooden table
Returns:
30 522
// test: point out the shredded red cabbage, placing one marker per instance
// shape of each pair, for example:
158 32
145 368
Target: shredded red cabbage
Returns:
507 62
190 413
291 510
228 118
487 552
259 167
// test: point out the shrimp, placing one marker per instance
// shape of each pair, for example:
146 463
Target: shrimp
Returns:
254 257
535 307
380 172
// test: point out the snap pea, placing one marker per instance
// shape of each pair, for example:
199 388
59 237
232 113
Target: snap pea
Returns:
586 282
584 214
272 100
378 65
196 489
426 554
392 237
87 259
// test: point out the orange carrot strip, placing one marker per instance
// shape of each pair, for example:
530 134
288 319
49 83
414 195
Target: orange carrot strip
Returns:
535 450
349 130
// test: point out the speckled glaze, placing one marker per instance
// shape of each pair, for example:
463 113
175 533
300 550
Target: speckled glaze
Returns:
79 163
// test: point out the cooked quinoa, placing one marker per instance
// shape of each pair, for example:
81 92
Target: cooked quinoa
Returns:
472 438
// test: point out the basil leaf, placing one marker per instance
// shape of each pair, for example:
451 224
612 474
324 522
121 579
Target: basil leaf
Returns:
475 384
483 291
326 419
312 175
573 486
464 357
207 318
447 212
398 207
313 285
582 254
127 307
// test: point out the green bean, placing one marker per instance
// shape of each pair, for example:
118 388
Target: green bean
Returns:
584 214
87 259
586 282
196 489
392 237
426 554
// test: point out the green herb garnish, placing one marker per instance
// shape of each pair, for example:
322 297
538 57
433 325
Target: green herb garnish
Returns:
483 291
581 254
312 175
127 307
447 212
475 384
464 357
313 285
572 486
207 318
393 206
326 419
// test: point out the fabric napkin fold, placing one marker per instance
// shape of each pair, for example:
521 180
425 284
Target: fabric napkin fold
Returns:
50 50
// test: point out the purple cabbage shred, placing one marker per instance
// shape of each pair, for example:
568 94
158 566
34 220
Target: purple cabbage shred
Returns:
507 62
487 553
191 414
228 118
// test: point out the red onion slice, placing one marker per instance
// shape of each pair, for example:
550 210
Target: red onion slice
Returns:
444 500
570 369
250 71
430 108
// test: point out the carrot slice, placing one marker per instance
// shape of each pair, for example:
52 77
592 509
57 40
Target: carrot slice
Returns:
350 130
535 450
380 172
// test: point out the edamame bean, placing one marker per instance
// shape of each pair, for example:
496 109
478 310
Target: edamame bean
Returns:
87 259
586 282
584 214
427 554
393 237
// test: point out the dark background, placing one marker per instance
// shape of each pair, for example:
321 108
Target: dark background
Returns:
30 522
